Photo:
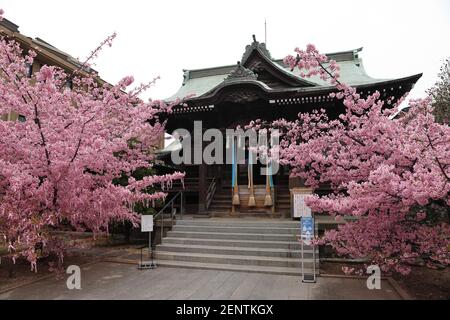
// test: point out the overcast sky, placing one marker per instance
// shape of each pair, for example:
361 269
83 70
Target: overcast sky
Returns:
400 38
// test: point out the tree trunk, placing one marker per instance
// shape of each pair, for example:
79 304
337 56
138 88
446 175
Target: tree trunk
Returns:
128 226
11 261
11 267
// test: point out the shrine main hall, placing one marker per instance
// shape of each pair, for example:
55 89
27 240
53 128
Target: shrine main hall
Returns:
257 87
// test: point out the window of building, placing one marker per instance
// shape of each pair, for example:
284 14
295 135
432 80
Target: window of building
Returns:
69 84
29 69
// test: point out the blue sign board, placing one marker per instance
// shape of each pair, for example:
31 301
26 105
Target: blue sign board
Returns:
307 229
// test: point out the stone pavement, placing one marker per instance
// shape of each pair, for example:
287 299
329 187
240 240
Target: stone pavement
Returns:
107 280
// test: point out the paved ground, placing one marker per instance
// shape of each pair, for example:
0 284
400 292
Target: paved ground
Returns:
123 281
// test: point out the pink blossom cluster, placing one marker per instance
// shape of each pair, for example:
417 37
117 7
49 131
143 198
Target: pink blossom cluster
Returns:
58 166
312 63
392 174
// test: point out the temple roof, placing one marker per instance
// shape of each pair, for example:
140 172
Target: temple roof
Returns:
272 75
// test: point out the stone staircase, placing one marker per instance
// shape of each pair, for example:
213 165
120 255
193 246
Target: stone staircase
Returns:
253 245
221 202
282 194
283 199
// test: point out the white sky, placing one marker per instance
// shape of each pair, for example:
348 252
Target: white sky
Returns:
400 38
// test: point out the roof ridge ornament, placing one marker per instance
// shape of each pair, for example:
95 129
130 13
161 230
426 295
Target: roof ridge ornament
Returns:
241 73
186 76
255 45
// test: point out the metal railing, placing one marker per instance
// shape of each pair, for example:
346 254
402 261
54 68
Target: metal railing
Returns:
173 211
210 193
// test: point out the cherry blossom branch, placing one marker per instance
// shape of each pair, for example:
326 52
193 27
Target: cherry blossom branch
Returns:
94 53
437 160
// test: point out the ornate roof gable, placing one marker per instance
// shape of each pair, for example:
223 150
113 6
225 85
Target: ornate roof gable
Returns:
241 73
258 59
255 45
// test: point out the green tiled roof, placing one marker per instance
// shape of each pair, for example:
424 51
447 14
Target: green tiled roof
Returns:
201 81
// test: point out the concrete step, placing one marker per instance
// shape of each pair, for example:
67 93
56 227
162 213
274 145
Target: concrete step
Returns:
294 245
220 207
219 212
224 201
221 203
234 259
241 222
227 250
285 212
230 267
256 213
241 236
235 229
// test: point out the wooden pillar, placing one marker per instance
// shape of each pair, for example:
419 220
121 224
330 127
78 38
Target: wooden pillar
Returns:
202 187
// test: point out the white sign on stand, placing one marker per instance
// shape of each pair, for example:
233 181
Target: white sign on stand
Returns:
147 226
146 223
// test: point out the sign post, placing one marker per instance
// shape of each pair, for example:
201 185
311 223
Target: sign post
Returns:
307 228
147 226
307 235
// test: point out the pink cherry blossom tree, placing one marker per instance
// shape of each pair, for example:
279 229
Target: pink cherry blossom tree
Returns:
57 167
391 173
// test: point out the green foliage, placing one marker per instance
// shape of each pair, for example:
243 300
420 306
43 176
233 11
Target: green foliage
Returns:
440 94
125 227
138 175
